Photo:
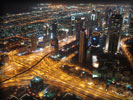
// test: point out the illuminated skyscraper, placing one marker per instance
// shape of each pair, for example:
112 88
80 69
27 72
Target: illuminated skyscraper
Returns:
73 25
94 18
82 45
113 37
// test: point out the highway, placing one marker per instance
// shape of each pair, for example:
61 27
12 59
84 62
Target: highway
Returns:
19 64
23 68
50 71
126 51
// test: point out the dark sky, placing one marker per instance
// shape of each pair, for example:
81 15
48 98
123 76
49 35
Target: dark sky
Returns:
16 6
67 1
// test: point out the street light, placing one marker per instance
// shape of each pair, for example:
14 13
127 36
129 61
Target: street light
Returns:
90 83
76 68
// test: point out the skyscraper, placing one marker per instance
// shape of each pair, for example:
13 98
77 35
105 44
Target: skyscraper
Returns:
108 13
54 42
82 45
54 30
113 36
78 28
72 25
94 18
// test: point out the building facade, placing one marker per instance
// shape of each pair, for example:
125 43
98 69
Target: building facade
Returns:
114 34
54 30
82 45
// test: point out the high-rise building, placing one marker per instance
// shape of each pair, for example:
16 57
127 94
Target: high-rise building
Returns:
113 37
54 30
33 42
82 45
94 18
99 20
78 28
73 25
108 13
